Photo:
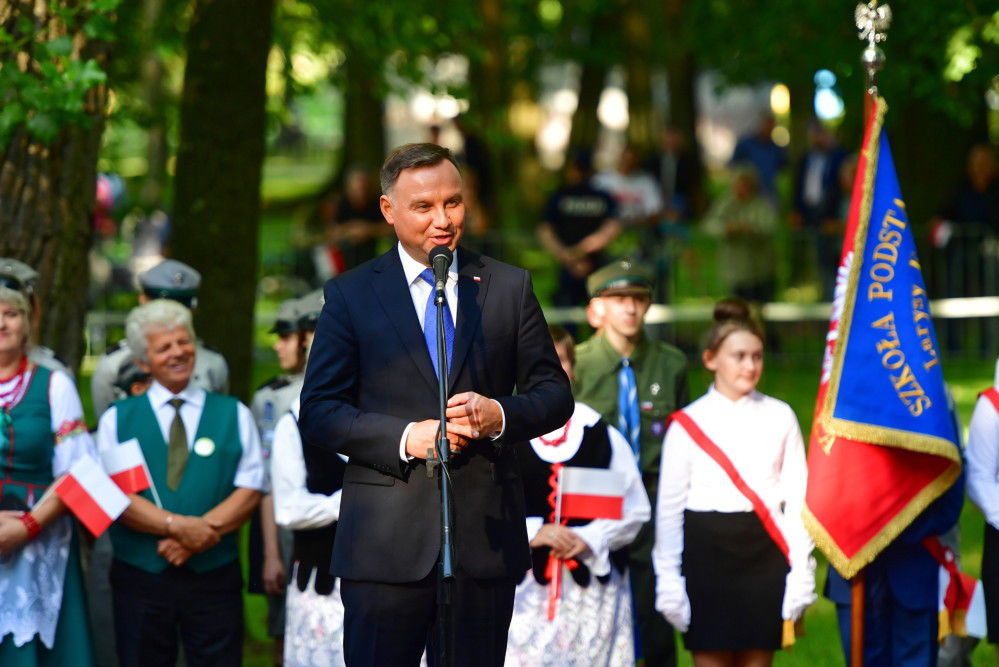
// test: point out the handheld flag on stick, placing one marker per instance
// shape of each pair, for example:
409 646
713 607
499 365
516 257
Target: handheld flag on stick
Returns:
91 495
884 442
583 493
127 467
591 493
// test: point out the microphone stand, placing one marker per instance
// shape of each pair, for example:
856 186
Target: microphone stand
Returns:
445 570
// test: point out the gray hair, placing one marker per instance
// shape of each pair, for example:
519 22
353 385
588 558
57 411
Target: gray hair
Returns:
412 156
20 301
157 314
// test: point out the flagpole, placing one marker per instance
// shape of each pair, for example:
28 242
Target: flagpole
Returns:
857 620
152 484
872 23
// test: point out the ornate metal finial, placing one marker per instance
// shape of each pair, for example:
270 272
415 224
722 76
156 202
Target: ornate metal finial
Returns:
872 23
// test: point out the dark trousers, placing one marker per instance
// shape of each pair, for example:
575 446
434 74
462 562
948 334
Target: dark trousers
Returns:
893 635
656 635
391 624
151 610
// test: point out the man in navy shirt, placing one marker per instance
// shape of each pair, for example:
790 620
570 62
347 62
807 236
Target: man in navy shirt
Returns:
579 221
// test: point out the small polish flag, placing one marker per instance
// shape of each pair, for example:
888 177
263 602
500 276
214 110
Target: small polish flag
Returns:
127 466
590 493
477 279
91 495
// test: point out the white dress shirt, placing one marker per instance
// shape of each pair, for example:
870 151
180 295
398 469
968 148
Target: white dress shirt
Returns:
249 472
295 507
983 460
602 536
420 290
761 436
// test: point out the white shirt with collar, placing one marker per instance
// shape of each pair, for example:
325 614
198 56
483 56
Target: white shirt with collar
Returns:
249 472
983 460
420 290
761 437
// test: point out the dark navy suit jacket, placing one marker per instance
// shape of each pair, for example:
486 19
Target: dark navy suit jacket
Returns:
369 375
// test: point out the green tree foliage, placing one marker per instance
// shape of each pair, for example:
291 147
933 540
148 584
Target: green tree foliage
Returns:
46 69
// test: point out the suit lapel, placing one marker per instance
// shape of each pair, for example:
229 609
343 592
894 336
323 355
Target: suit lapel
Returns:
473 283
392 291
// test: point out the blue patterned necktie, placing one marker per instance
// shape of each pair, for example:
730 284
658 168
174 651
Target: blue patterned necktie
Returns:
629 421
430 324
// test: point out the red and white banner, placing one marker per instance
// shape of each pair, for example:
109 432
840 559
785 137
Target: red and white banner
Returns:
91 495
590 493
127 466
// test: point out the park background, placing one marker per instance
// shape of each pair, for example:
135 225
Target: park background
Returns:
223 125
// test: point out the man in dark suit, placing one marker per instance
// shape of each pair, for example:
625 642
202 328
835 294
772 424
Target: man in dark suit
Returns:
371 394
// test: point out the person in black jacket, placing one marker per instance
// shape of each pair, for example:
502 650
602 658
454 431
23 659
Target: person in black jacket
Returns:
371 394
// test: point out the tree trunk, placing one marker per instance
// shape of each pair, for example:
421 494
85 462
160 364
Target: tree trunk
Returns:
638 74
681 80
490 93
364 114
46 199
153 82
217 186
585 124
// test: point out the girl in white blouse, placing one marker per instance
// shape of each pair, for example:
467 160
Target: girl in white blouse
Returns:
723 577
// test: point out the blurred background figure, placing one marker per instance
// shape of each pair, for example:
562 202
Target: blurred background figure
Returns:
964 236
815 214
270 546
744 221
672 167
638 196
132 380
761 151
578 223
353 230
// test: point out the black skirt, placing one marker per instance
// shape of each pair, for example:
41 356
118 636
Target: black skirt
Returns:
735 581
990 581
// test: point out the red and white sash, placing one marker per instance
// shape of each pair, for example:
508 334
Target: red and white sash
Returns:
719 457
993 395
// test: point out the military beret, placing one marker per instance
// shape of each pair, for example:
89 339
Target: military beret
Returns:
624 276
173 280
17 275
288 315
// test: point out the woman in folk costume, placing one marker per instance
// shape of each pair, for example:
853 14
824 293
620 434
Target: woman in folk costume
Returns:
43 613
306 484
590 621
732 556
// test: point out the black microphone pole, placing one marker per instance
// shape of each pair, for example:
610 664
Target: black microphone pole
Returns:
440 259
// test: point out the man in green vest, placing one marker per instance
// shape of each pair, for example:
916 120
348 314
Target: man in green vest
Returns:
635 383
176 568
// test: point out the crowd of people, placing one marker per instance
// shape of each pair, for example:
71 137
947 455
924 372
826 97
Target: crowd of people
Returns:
709 539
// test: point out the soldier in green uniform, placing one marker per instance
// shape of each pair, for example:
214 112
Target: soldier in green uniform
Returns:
176 281
270 546
22 278
635 383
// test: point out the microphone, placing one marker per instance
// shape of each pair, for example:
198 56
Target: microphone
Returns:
441 258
